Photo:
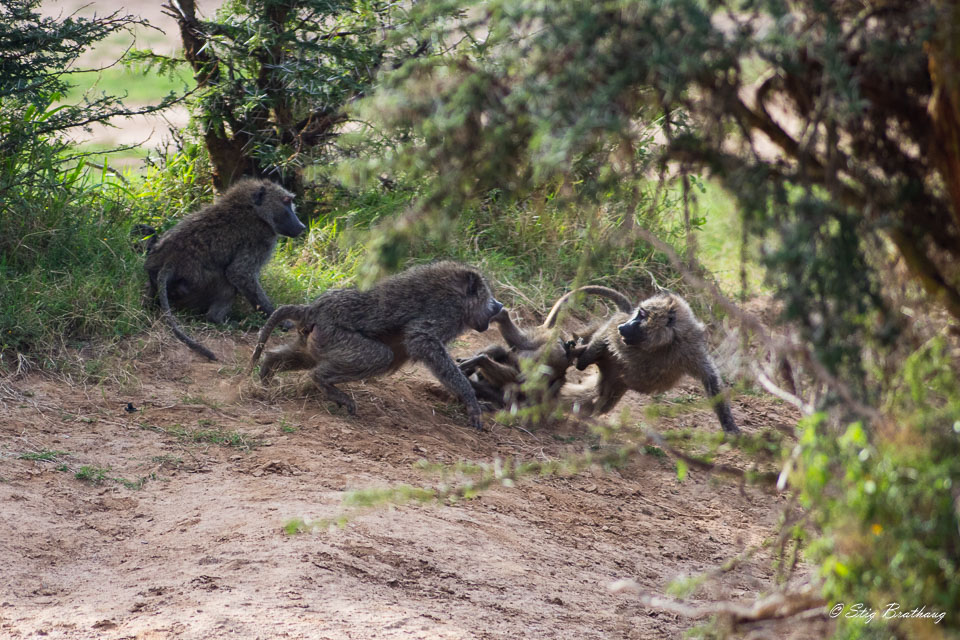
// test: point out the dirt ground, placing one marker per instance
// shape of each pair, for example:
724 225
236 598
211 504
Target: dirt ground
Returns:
199 551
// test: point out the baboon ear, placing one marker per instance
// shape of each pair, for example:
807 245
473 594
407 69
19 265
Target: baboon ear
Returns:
474 284
259 195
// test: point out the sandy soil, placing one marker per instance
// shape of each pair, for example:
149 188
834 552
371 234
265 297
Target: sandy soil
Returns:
198 551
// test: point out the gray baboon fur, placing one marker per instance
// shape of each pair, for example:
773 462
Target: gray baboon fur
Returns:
496 373
649 352
213 254
347 334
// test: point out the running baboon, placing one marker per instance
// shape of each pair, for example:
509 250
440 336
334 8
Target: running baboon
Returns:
211 255
347 334
496 373
649 352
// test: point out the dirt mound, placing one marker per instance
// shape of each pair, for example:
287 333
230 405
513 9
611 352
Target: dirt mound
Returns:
182 536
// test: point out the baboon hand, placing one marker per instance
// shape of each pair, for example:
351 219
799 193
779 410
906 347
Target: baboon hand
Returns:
476 421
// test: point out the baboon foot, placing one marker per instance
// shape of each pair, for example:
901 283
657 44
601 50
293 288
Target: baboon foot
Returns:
476 421
336 395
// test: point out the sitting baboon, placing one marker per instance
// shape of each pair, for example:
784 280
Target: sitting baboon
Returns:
347 334
218 251
496 373
649 352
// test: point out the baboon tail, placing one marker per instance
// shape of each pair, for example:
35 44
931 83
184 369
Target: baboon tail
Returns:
293 312
622 302
162 279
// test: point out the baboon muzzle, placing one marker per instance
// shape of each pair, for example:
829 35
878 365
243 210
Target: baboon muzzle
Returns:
631 332
291 225
493 307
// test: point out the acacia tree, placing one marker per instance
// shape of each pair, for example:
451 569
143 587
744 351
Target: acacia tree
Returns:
273 77
836 125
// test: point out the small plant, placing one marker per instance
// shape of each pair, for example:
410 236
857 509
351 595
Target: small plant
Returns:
654 451
213 435
136 485
42 456
91 474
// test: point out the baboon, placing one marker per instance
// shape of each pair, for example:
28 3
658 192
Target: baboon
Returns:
213 254
649 352
347 334
496 373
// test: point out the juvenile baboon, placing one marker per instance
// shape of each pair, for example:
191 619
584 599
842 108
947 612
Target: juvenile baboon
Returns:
649 352
496 373
347 334
213 254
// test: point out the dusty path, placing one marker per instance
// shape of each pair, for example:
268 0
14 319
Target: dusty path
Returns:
198 551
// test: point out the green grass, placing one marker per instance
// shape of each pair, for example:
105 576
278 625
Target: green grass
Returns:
208 433
68 274
42 456
719 239
135 485
138 87
91 474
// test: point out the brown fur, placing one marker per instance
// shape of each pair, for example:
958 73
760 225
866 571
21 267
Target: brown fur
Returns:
347 334
648 352
203 262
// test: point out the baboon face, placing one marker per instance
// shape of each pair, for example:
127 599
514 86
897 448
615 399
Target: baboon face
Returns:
276 208
481 306
652 326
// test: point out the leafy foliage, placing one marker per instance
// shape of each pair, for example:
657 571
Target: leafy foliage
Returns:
835 125
890 528
273 78
65 255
